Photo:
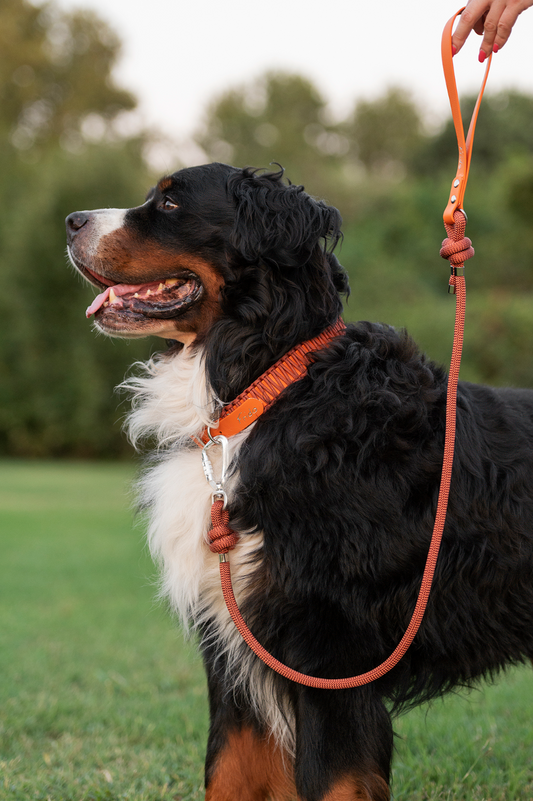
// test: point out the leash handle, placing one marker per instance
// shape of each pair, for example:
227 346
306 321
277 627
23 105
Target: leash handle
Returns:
457 191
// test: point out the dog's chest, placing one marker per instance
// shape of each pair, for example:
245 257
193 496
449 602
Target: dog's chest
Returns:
172 402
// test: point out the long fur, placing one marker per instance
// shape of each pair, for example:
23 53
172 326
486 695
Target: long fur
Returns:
170 402
333 492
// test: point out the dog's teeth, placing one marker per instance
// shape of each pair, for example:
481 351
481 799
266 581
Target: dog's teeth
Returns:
148 292
112 296
136 295
171 281
160 288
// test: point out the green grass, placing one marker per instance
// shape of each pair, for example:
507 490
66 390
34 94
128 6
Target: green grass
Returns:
101 699
478 747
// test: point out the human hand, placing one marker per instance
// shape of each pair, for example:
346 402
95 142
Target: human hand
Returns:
492 19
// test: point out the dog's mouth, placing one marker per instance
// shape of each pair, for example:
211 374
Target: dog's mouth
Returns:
163 300
120 304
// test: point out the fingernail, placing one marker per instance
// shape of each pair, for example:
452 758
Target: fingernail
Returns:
495 48
454 50
482 56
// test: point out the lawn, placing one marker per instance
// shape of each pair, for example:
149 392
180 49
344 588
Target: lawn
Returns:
101 698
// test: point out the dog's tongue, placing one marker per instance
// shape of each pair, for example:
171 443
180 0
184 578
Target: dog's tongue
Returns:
118 289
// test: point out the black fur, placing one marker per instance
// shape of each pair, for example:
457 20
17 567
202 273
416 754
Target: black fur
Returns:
279 261
342 476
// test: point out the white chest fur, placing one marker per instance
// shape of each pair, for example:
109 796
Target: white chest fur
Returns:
172 403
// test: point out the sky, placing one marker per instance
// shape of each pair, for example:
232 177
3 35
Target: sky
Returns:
178 55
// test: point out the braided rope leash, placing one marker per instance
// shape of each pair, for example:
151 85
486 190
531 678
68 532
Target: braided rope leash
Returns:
457 249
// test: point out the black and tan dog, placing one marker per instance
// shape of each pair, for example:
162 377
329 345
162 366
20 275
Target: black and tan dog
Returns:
333 490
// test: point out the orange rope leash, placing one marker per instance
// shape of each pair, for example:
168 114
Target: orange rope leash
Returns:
456 248
219 544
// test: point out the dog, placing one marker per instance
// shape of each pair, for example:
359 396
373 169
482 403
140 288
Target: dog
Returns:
332 490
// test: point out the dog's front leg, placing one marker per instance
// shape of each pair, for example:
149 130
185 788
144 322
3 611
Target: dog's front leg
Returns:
343 745
243 761
248 766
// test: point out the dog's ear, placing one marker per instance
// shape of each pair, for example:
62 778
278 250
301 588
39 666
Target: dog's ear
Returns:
278 224
339 275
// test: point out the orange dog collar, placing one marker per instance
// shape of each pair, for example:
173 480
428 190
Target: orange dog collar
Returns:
260 395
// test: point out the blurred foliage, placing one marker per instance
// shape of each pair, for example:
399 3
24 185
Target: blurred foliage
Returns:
62 148
54 75
278 118
58 152
385 133
504 131
282 118
390 178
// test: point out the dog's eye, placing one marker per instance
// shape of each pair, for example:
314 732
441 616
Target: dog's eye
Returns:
168 204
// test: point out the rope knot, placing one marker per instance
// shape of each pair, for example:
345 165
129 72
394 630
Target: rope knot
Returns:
457 251
221 537
457 247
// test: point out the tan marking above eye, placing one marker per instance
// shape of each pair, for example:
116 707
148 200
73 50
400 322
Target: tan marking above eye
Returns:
164 184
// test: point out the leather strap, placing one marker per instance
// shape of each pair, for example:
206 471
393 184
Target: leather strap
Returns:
458 188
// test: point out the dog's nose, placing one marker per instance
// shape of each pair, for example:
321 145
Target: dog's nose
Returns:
75 221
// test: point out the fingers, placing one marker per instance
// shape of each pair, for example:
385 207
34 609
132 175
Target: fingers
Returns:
496 27
494 19
471 19
508 18
480 25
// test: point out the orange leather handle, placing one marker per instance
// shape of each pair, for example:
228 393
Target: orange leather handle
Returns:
457 191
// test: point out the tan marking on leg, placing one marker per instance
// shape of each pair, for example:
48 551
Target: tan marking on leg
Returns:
369 788
251 768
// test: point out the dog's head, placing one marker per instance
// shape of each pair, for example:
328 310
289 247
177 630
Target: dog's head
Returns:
213 250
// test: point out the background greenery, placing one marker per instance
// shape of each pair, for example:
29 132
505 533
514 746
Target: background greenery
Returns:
64 145
101 698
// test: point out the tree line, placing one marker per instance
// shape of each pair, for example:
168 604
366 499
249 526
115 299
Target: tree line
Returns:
62 148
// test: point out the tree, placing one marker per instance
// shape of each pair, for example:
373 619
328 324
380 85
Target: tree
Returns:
55 75
386 133
56 377
278 118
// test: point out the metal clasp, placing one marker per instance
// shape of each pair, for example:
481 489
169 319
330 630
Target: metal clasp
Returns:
216 486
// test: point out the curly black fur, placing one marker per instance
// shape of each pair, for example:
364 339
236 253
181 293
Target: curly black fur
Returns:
342 475
279 260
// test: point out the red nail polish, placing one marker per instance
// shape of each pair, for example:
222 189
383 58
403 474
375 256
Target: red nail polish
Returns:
495 48
454 50
482 56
